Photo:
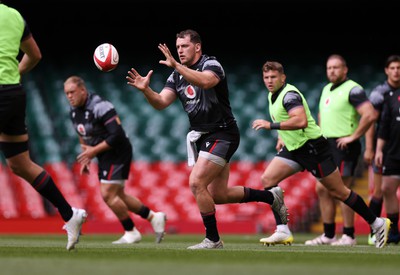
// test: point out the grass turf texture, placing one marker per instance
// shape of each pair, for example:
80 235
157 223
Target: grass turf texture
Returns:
242 254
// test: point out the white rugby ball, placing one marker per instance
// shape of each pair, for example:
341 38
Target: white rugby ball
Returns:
106 57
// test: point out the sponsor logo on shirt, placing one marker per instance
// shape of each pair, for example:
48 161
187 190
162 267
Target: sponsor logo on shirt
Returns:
81 129
190 92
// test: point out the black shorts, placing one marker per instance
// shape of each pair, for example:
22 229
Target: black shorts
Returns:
223 143
315 156
346 159
391 166
115 165
12 111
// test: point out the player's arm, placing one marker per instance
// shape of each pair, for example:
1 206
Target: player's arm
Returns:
90 152
379 152
293 104
279 144
368 115
116 134
376 98
205 79
297 120
384 131
85 167
32 54
159 101
114 137
369 144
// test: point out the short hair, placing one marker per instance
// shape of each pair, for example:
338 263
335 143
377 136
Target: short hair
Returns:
337 56
76 80
392 58
273 66
194 36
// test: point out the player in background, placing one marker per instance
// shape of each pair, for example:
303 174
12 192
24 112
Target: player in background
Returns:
15 36
101 136
345 114
376 97
305 148
387 155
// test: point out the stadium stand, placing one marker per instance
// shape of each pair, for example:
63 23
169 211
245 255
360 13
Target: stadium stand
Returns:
8 202
159 172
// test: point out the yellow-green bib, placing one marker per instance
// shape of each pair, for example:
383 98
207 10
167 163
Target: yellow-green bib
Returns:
11 30
293 139
338 118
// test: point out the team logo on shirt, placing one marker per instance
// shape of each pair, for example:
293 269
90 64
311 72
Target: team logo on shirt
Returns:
327 101
81 129
190 92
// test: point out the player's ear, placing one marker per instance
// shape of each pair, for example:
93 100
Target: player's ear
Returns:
197 46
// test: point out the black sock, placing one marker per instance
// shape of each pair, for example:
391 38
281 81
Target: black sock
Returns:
45 185
394 218
127 224
349 231
263 196
329 230
355 202
257 195
144 211
375 205
210 223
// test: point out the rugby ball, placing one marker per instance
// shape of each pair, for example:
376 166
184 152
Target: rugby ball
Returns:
106 57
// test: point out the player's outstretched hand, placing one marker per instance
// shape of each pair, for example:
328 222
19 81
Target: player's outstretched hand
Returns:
137 81
169 59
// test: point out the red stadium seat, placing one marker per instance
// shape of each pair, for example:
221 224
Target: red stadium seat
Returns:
8 202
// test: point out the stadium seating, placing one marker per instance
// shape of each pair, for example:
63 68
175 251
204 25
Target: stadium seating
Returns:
161 185
159 174
8 201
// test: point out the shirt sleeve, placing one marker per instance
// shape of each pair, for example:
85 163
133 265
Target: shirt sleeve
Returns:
214 66
376 98
170 83
112 123
27 32
357 96
292 100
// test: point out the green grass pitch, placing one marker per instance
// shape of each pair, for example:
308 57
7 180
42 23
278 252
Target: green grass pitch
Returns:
242 254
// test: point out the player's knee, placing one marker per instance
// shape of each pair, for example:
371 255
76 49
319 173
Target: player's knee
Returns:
108 198
387 189
268 181
197 187
194 187
322 190
16 168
